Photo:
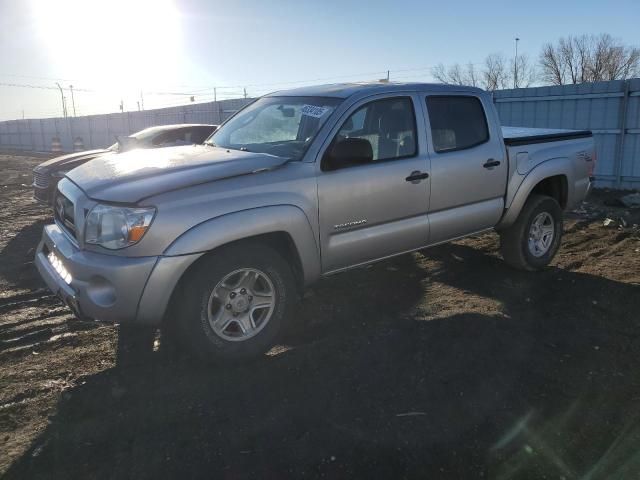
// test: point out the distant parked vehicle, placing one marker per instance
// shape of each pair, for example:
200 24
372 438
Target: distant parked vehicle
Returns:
47 175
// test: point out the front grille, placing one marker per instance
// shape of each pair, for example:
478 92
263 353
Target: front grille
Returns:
63 213
40 179
41 195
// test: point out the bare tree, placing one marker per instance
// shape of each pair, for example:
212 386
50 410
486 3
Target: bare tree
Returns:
588 58
456 74
525 73
472 75
552 69
495 74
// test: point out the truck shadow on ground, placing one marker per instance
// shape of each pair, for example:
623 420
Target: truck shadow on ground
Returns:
17 266
370 387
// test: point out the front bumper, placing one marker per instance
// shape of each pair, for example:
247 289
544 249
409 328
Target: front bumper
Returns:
103 287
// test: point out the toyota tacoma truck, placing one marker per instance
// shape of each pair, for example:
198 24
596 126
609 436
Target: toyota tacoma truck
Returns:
214 243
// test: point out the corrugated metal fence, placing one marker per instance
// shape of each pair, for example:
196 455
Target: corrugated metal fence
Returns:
610 109
99 131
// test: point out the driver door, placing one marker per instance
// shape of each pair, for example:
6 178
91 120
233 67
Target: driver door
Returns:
375 207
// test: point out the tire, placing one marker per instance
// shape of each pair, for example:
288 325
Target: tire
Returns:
515 244
206 303
135 345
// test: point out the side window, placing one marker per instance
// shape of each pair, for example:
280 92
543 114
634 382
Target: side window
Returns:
200 134
457 122
380 130
355 123
168 138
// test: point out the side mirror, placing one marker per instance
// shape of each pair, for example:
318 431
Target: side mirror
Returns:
348 152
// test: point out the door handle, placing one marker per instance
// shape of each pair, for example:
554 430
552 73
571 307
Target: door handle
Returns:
416 176
491 163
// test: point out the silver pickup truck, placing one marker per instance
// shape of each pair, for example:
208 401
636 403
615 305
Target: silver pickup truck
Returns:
215 242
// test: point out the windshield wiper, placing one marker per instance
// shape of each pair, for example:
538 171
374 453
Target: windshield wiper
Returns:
211 144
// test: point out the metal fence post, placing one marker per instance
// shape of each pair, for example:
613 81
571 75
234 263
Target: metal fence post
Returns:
108 132
44 142
623 128
18 136
70 127
31 142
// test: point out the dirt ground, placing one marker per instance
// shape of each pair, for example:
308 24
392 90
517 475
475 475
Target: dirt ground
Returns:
440 364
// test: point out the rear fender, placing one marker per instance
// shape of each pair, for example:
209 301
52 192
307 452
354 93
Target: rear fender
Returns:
549 168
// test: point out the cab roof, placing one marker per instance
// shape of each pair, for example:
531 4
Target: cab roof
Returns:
345 90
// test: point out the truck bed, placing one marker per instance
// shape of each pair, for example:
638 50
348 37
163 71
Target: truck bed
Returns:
514 136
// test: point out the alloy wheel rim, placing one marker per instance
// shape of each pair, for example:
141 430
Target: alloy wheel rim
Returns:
241 304
541 234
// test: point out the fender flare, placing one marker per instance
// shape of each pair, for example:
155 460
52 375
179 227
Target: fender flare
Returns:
243 224
550 168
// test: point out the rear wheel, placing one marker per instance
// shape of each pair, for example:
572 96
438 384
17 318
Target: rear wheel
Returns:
236 301
533 240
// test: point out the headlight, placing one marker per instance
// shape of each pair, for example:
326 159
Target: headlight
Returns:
117 227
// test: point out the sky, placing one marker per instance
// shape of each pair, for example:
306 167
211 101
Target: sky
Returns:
162 52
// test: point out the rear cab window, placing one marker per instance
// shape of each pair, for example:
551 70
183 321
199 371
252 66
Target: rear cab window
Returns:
457 122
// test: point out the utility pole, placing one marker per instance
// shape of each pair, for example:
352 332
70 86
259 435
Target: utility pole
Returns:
515 66
388 75
138 102
141 100
245 92
73 101
64 106
121 106
215 96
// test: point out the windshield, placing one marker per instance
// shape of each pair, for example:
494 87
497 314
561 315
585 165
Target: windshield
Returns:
125 143
281 126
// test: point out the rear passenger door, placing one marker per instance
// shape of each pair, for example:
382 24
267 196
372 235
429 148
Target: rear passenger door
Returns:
468 165
375 204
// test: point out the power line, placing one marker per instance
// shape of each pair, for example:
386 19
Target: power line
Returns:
197 90
217 93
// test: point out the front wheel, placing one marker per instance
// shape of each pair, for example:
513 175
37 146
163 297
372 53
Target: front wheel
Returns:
533 240
236 301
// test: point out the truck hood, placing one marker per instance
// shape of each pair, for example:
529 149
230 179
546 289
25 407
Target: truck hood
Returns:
132 176
65 162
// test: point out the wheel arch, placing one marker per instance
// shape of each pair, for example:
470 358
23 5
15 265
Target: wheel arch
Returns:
550 178
284 228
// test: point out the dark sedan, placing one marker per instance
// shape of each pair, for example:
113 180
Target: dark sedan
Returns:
47 175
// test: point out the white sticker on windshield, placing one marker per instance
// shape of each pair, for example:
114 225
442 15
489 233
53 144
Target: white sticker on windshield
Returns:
313 111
